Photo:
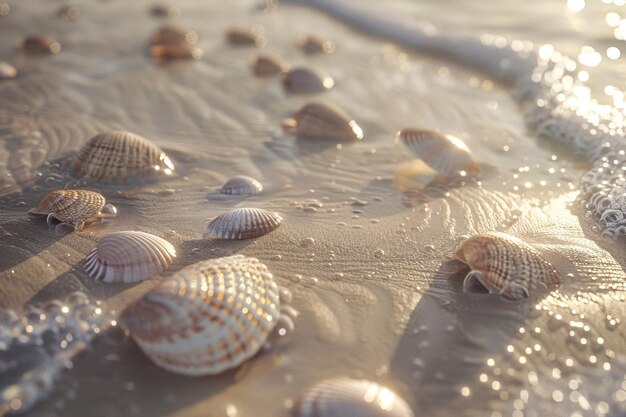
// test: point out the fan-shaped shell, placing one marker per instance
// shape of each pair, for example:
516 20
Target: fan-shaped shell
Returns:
119 157
242 185
306 80
7 71
311 44
129 256
71 206
39 44
446 154
506 265
206 318
321 120
243 37
243 223
268 65
345 397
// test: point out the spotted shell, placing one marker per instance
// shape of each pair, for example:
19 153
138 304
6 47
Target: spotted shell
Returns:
242 185
243 37
7 71
446 154
268 65
505 265
206 318
306 80
314 45
71 206
345 397
129 256
39 45
119 157
243 223
321 120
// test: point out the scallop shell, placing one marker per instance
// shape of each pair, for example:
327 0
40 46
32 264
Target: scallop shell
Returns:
505 265
39 44
129 257
243 37
345 397
306 80
446 154
314 45
242 185
118 157
320 120
268 65
243 223
206 318
7 71
71 206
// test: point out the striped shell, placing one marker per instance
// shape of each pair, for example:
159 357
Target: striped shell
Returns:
243 223
345 397
119 157
244 37
446 154
306 80
242 185
314 45
505 265
7 71
321 120
206 318
39 45
129 257
268 65
71 206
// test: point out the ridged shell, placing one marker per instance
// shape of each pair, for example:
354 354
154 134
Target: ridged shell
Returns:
306 80
506 265
243 223
7 71
129 256
268 65
206 318
39 44
244 37
71 206
119 157
321 120
242 185
446 154
314 45
345 397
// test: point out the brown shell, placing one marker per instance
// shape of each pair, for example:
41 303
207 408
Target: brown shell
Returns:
311 44
71 206
165 11
243 37
173 35
306 80
68 12
180 51
268 65
321 120
39 45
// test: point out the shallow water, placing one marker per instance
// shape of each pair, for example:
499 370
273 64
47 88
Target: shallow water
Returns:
361 242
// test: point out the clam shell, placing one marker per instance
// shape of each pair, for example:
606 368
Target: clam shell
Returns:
506 265
243 37
242 185
345 397
7 71
71 206
268 65
311 44
321 120
446 154
243 223
306 80
206 318
119 157
129 256
39 44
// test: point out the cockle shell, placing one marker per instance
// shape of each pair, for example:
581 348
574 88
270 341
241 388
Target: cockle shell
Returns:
119 157
71 206
242 185
346 397
243 223
505 265
314 45
7 71
268 65
39 44
446 154
206 318
129 256
321 120
306 80
243 37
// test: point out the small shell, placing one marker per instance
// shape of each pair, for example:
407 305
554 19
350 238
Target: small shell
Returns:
505 265
345 397
446 154
180 51
68 12
165 11
320 120
268 65
242 185
311 44
244 37
206 318
306 80
118 157
243 223
39 44
129 257
71 206
173 35
7 71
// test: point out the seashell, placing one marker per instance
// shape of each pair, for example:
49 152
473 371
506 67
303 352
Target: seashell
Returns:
75 207
505 265
173 35
243 37
7 71
242 185
306 80
446 154
206 318
165 11
268 65
180 51
311 44
346 397
129 257
321 120
68 12
39 44
243 223
118 157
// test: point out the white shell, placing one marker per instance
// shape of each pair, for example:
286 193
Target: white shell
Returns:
345 397
243 223
208 317
129 256
7 71
242 185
